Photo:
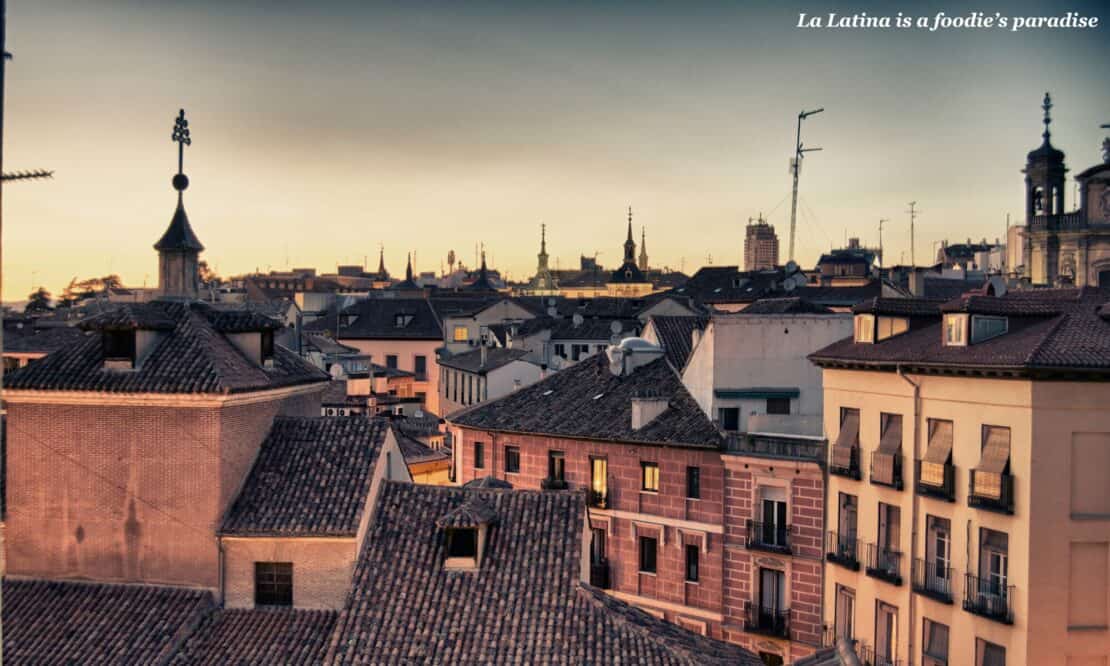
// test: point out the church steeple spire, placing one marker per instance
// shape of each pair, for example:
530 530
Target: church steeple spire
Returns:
178 248
629 244
643 249
383 274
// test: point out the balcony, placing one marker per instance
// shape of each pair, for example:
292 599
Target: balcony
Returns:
991 492
766 621
884 564
780 446
842 550
768 536
896 477
932 580
942 487
599 574
598 499
553 484
986 597
868 657
852 470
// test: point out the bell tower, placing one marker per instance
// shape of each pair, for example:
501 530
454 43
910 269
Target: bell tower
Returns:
179 248
1044 174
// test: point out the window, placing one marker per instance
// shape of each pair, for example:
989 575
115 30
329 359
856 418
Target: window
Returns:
420 395
119 346
691 563
599 481
892 326
985 328
994 463
954 326
845 612
778 405
865 328
772 593
273 583
847 518
461 334
576 352
693 482
648 546
938 454
597 545
993 563
401 320
888 549
773 515
267 344
420 368
512 459
560 350
729 418
556 466
938 554
649 473
934 644
886 633
462 542
391 361
989 654
845 452
479 455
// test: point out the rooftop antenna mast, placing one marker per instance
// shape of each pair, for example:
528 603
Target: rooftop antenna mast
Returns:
913 218
796 168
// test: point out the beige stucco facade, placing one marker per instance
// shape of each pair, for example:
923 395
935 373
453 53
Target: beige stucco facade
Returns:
1057 535
406 352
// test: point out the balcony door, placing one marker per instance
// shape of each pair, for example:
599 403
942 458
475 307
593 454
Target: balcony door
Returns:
845 612
847 522
599 478
772 597
886 637
773 516
597 545
938 553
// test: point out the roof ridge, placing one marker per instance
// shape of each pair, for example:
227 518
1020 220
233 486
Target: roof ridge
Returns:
1056 326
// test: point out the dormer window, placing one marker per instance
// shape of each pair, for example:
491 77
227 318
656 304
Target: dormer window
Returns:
268 349
462 542
466 531
119 348
402 320
984 328
865 328
891 326
955 330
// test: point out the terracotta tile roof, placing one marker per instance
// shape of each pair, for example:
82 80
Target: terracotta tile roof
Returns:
311 478
193 357
413 450
42 340
525 605
471 513
471 361
259 636
588 401
1049 329
143 316
676 336
47 622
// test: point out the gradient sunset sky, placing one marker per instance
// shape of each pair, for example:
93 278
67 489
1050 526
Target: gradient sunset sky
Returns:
321 129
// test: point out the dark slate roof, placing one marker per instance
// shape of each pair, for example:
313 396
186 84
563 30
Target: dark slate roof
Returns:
42 340
259 636
588 401
839 295
947 288
628 273
47 622
326 345
376 319
311 478
194 357
131 316
471 361
488 482
179 235
525 605
462 303
1076 338
676 337
898 307
413 450
238 320
471 513
592 330
788 305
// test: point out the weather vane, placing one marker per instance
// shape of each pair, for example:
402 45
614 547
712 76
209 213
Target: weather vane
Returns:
181 137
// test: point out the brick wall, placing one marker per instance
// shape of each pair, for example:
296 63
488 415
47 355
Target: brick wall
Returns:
322 569
123 493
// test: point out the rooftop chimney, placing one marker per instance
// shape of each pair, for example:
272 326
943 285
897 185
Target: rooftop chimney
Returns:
646 408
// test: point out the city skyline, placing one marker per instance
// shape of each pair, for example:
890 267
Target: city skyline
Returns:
321 132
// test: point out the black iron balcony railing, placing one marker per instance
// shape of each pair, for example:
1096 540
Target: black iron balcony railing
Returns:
883 563
598 499
868 656
992 492
852 470
599 574
932 484
553 484
896 480
842 549
765 620
933 579
990 598
768 536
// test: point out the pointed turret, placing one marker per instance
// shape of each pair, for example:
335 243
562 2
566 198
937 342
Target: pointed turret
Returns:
382 274
482 283
643 249
179 248
629 244
409 283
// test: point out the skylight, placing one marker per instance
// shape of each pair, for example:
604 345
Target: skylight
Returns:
548 391
598 396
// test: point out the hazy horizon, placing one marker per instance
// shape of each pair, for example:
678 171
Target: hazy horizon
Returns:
321 131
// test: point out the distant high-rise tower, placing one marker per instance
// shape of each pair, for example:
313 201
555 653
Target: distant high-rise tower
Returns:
179 248
643 250
761 246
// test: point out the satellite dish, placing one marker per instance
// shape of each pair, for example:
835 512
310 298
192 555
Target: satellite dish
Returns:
577 319
615 327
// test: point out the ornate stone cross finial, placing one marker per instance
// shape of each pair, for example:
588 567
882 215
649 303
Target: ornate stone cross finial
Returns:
1047 106
181 137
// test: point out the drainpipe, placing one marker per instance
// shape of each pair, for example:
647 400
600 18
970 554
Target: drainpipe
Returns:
220 572
914 505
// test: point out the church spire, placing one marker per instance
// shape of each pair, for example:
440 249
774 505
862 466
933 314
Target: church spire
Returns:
643 249
383 274
629 244
179 247
408 269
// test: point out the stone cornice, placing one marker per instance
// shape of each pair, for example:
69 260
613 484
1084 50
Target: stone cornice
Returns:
185 400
